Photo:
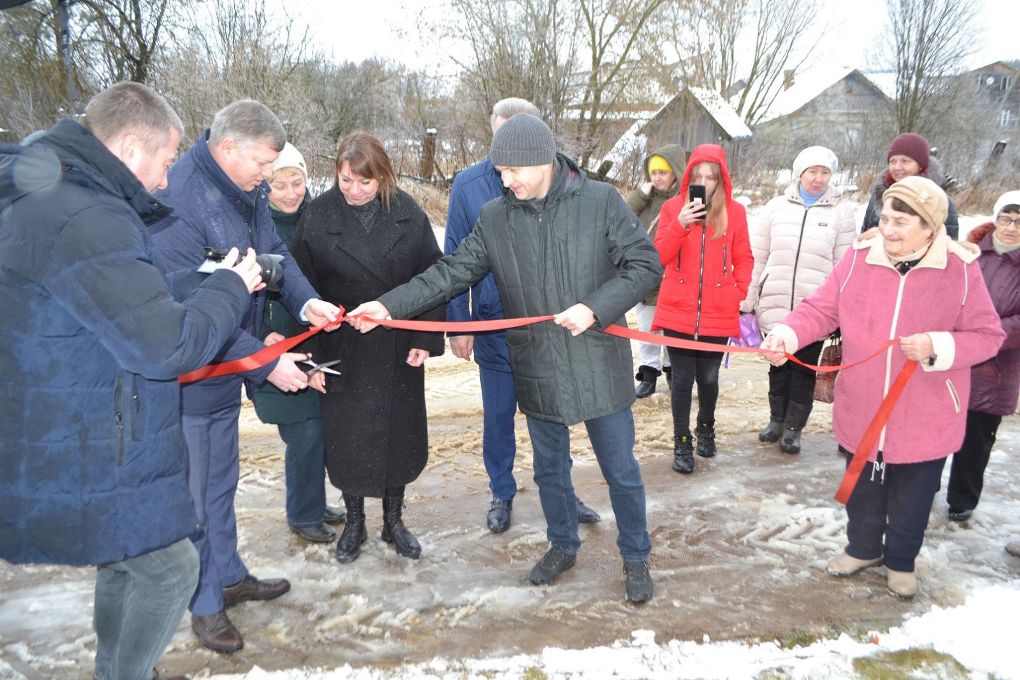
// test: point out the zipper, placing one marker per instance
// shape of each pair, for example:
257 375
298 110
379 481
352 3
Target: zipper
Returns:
725 267
796 259
547 239
119 417
889 351
701 279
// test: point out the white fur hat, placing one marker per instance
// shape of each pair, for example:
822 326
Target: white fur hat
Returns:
812 156
290 157
1008 198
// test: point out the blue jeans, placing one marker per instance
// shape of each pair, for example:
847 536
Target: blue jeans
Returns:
499 443
305 467
612 438
139 604
213 470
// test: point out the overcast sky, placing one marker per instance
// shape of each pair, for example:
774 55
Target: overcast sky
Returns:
386 28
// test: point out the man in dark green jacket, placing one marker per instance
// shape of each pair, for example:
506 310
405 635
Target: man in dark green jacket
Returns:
565 245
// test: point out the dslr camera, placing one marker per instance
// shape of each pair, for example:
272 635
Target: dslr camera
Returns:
270 266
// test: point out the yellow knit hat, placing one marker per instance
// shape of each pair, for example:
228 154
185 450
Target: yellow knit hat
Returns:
658 163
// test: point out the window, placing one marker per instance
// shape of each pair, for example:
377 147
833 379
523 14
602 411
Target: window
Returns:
1007 118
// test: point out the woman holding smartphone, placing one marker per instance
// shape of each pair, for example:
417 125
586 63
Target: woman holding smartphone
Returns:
706 254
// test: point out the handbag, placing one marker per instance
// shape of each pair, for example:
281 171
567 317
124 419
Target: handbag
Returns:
750 332
832 355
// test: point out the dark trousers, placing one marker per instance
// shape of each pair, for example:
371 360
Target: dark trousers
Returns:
967 473
694 366
213 472
792 382
305 472
612 439
499 443
894 504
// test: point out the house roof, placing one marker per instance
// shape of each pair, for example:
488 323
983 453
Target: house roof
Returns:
630 142
634 141
810 84
721 111
994 66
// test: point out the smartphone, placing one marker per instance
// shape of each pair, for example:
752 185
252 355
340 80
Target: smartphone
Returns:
697 194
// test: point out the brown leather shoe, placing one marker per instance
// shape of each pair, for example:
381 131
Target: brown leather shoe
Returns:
251 588
217 632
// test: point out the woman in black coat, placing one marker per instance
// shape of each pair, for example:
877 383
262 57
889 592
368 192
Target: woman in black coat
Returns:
357 241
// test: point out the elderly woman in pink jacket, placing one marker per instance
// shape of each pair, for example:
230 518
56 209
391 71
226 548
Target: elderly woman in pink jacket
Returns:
913 284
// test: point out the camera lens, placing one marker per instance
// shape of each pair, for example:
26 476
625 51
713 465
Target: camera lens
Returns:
271 269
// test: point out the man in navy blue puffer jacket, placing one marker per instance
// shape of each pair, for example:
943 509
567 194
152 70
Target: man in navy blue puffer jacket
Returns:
92 340
219 194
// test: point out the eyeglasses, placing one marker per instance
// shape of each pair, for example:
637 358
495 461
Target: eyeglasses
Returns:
1004 221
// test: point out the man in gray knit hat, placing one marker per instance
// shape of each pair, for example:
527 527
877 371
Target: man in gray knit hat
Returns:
474 187
557 243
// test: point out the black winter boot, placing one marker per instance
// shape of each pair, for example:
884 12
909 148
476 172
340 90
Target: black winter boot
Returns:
705 434
777 414
394 530
683 454
348 548
796 418
648 377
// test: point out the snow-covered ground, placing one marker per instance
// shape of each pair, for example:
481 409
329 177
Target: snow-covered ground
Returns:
738 558
966 633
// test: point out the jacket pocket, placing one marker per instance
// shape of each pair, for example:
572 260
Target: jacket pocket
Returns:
761 286
118 416
953 395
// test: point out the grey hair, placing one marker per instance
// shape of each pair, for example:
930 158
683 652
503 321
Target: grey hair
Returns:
247 121
510 107
132 108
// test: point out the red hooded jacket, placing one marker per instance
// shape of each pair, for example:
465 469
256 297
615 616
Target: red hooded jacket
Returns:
705 278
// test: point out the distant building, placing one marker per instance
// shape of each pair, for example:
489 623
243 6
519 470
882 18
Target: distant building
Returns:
692 117
998 82
843 109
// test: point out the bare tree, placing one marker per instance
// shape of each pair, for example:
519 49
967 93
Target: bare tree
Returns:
118 39
706 43
33 91
782 42
928 41
516 48
611 31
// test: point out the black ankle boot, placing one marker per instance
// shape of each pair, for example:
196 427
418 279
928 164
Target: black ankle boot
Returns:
777 414
790 443
394 530
647 376
683 454
348 548
772 432
796 418
705 434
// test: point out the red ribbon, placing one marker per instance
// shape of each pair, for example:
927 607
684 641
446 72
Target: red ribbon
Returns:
875 427
850 477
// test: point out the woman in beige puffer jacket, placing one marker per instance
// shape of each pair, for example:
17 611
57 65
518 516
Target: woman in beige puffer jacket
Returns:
798 238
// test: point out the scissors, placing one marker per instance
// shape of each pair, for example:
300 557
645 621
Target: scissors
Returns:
324 368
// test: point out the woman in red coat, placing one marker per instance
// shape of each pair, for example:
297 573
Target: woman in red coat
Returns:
706 255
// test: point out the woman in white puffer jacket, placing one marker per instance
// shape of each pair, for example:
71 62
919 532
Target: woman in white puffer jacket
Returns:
798 238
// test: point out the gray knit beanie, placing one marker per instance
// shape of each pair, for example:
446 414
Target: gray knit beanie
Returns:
522 141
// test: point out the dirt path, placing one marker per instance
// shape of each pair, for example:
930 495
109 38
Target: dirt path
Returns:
739 552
